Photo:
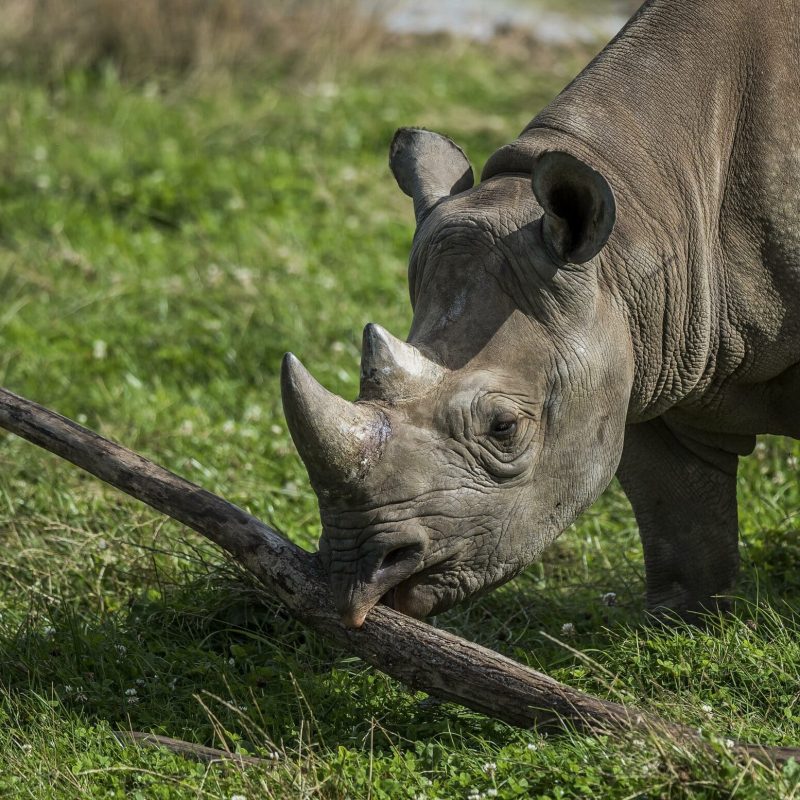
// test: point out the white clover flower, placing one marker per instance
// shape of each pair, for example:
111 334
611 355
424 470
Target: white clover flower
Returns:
121 649
253 413
651 767
48 631
186 428
131 692
99 350
491 792
236 203
730 744
609 599
706 708
214 274
532 746
238 797
567 630
490 767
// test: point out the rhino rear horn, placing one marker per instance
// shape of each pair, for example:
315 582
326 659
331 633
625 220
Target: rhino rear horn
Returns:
392 369
578 203
428 167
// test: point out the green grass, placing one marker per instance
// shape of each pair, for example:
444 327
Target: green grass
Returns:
161 246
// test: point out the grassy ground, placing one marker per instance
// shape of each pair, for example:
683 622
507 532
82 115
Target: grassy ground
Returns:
161 246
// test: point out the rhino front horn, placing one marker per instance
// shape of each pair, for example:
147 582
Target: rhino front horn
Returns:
336 439
392 369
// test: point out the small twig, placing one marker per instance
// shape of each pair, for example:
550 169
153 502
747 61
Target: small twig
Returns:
424 658
198 752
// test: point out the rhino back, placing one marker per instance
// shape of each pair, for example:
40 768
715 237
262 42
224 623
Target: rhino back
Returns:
694 113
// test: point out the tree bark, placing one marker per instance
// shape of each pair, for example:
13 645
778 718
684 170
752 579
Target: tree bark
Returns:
424 658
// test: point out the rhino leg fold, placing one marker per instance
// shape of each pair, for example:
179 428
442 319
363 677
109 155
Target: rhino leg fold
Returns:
682 487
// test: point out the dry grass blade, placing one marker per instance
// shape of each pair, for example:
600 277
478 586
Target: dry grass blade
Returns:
151 36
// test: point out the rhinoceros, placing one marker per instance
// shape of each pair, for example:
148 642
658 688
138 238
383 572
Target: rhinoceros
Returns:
619 295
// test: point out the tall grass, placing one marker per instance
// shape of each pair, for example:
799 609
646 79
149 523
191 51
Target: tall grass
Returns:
142 37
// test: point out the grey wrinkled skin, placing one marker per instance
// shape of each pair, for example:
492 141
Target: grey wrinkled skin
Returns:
619 295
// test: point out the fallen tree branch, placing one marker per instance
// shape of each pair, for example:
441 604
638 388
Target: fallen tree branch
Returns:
422 657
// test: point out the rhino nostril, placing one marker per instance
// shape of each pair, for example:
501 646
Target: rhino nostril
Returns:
400 555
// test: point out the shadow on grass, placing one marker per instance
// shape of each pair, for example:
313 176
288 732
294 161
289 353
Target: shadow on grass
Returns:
211 662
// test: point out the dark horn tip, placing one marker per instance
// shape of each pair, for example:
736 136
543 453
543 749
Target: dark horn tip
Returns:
291 369
289 364
372 331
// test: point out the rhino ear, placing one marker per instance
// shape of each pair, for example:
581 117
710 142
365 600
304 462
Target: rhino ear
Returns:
578 203
428 167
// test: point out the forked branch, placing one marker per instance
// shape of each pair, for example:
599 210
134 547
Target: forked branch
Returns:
424 658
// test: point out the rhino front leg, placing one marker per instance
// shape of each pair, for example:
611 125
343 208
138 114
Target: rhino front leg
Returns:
682 486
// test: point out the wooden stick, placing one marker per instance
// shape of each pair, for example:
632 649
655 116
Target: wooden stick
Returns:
422 657
198 752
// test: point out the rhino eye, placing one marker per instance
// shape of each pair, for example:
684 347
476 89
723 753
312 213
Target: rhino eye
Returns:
504 425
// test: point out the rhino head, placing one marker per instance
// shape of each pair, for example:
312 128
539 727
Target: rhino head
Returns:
475 443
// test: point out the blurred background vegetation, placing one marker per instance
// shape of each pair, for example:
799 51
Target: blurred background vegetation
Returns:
188 188
180 37
50 37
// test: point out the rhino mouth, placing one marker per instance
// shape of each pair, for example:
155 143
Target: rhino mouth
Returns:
419 596
397 598
403 599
